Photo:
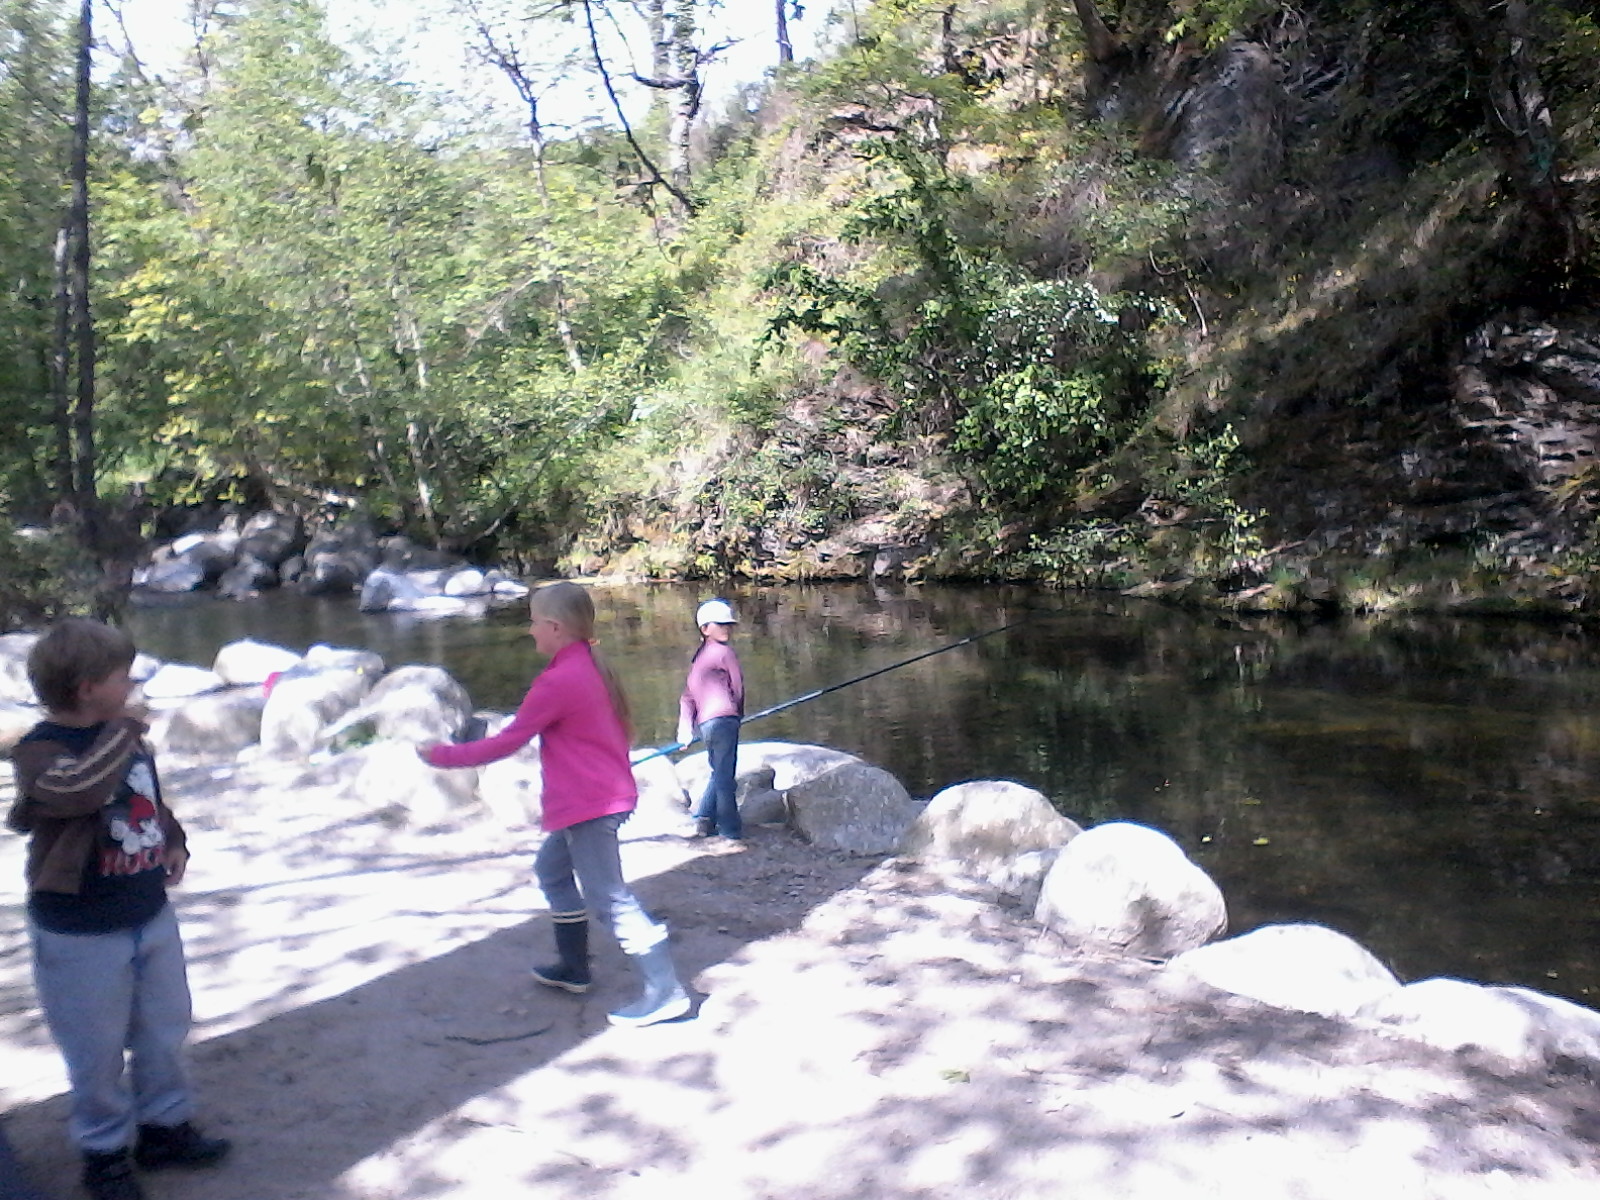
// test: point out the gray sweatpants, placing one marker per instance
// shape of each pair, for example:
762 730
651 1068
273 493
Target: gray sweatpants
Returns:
580 867
107 994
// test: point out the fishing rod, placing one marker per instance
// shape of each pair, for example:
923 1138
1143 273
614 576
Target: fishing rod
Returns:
834 687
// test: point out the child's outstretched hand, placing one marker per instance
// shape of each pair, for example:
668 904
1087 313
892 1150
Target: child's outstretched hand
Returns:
424 750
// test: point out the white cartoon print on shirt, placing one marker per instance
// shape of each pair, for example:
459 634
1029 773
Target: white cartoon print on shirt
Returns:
134 826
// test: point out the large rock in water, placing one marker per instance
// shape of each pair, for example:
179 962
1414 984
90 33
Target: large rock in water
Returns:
177 680
984 828
212 553
211 727
855 807
1132 888
412 704
301 704
337 561
246 579
1307 968
252 662
1528 1029
170 575
270 537
384 589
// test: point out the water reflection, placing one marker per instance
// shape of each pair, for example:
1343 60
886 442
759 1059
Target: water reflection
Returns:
1428 787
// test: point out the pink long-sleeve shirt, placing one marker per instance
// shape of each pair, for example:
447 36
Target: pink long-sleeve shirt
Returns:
715 687
583 748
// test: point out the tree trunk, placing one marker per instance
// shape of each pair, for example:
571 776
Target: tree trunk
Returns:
1102 43
410 331
83 474
504 55
1108 55
1519 121
61 363
685 62
681 200
785 48
655 20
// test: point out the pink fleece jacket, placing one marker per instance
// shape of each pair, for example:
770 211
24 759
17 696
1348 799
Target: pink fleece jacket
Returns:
583 749
715 687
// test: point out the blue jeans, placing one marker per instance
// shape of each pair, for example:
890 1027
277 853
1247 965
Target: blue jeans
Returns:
720 802
105 994
580 868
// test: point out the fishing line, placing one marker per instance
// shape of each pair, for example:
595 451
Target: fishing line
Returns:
834 687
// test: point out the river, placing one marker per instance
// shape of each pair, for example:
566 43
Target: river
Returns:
1430 787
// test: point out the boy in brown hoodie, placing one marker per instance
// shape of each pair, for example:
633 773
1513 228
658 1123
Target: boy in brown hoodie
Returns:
108 960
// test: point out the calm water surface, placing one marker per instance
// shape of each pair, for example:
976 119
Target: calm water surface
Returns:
1430 787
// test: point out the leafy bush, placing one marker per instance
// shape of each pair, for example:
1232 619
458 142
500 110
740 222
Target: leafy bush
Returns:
1028 378
45 578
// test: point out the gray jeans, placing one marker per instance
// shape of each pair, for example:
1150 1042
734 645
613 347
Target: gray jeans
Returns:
107 994
580 867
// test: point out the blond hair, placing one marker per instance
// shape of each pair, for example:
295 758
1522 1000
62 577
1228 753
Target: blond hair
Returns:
75 651
570 604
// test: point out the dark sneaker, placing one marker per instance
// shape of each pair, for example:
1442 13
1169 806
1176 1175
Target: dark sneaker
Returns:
560 975
177 1146
109 1175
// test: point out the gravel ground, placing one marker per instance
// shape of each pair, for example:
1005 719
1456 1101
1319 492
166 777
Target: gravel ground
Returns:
365 1029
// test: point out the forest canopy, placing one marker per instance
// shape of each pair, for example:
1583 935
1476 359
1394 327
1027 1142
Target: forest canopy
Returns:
1050 289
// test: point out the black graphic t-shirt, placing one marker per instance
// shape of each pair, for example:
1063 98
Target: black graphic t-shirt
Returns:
124 881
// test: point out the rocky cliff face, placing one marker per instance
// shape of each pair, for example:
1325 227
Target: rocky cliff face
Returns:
1367 372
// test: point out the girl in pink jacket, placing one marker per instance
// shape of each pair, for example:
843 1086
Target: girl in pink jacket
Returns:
577 709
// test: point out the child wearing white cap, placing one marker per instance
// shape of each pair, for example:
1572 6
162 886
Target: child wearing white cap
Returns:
711 707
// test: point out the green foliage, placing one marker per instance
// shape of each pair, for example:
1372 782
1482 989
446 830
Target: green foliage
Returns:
351 296
46 577
1190 526
1213 22
1028 377
35 66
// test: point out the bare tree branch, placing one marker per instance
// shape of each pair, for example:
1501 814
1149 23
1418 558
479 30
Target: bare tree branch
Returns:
686 202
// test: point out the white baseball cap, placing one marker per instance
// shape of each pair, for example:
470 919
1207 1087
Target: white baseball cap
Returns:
715 612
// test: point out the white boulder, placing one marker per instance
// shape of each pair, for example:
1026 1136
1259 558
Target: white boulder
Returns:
252 662
1528 1029
324 658
791 763
982 828
856 808
1132 888
412 704
1307 968
469 581
211 727
302 703
178 680
512 788
391 780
